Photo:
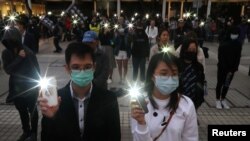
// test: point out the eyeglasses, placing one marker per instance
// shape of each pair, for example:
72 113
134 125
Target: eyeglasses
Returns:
79 68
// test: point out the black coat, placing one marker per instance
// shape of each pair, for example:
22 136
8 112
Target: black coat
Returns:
102 122
229 54
30 41
23 72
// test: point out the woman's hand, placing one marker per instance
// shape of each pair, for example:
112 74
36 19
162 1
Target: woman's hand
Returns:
138 114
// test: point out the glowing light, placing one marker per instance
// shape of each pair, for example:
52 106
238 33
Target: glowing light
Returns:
157 15
115 15
194 15
12 18
75 21
62 14
132 19
165 49
121 11
134 90
248 20
188 14
202 23
49 13
106 25
147 16
44 83
6 27
130 25
136 14
116 26
97 14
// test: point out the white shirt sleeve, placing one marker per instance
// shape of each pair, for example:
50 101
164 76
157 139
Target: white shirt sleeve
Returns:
201 58
147 31
140 132
155 33
190 131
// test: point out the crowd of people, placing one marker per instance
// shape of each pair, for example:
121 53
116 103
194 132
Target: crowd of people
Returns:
174 81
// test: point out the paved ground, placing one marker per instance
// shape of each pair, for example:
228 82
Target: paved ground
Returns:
238 96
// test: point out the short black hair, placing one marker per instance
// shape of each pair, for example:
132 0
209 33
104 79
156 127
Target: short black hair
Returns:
170 60
80 50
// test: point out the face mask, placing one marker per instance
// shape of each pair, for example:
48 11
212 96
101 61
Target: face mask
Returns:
190 56
234 36
166 84
82 78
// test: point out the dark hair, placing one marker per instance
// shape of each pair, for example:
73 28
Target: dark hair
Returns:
170 60
161 31
79 49
185 46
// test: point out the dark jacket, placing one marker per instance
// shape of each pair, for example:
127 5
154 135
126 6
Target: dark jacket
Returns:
140 47
192 74
102 69
22 71
229 53
101 121
29 41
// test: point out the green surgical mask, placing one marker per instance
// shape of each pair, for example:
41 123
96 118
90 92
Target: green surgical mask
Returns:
82 78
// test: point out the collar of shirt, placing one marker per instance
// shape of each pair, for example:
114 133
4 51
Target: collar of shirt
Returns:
86 97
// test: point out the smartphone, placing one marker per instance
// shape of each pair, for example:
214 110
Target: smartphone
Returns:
142 103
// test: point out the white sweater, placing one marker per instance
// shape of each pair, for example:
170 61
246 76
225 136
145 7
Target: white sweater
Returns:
152 33
182 127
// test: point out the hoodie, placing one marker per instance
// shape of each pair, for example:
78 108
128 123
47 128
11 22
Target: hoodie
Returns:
22 70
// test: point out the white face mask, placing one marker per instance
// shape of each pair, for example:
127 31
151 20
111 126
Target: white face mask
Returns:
234 36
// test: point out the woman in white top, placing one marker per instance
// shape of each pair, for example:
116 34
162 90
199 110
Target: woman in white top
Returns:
163 42
171 116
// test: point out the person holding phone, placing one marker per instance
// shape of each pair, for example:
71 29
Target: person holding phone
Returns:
85 112
171 116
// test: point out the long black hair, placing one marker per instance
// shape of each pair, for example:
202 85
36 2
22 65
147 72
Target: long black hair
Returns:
170 60
185 46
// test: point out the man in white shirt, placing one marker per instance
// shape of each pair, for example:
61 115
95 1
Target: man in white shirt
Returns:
152 32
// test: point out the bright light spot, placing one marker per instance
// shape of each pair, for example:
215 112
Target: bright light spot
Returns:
115 15
130 25
136 14
49 13
132 19
194 15
116 26
75 21
185 15
62 13
248 20
202 23
157 15
188 14
106 25
121 11
165 49
6 27
44 83
97 14
12 18
147 16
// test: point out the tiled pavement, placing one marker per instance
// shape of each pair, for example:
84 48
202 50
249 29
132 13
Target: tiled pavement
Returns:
238 96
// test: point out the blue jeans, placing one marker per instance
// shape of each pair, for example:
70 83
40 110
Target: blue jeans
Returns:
139 62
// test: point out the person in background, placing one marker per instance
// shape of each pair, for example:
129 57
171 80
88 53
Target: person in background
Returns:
152 32
163 42
106 40
179 33
20 63
171 116
122 49
229 53
28 38
94 25
192 75
84 111
200 54
34 28
102 61
57 33
140 51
